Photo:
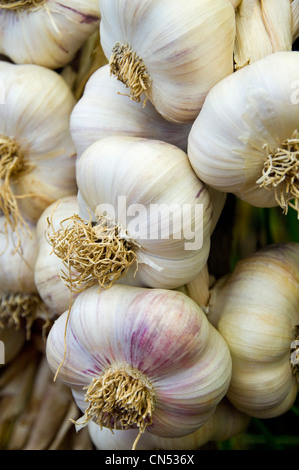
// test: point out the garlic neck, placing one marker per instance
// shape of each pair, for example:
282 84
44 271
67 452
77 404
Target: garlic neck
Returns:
96 251
130 70
121 396
18 5
294 360
281 172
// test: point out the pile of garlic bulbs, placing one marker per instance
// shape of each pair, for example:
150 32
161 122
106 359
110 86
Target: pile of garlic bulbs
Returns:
149 207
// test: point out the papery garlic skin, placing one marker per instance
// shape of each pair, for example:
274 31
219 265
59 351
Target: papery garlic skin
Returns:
36 116
225 423
185 47
104 110
295 19
245 117
161 334
48 267
150 177
47 33
256 310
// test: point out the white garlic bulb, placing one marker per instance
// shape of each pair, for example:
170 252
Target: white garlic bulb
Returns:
245 140
46 32
37 155
256 310
19 299
155 343
225 423
171 52
49 268
104 110
144 216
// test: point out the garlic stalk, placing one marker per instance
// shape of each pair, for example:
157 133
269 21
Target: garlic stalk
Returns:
295 19
144 217
246 137
104 110
170 53
225 423
140 358
277 18
256 310
37 155
261 29
19 300
46 32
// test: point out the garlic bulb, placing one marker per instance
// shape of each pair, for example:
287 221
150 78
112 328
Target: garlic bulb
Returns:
256 310
246 138
19 299
49 268
46 32
156 342
104 110
225 423
144 216
37 155
169 52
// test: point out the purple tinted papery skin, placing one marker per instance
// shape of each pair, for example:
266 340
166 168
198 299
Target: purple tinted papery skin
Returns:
162 334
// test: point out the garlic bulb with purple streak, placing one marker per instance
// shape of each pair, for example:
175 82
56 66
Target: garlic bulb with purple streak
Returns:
46 32
175 365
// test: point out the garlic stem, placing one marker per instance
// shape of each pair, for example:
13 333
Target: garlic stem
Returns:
130 70
281 172
121 396
96 251
20 4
